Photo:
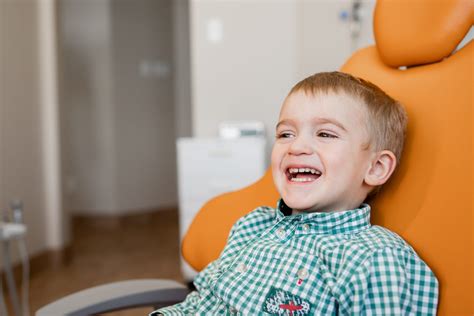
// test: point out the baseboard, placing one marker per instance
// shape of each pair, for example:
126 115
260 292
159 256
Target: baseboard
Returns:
107 214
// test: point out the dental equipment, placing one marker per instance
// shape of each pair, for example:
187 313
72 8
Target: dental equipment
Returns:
9 231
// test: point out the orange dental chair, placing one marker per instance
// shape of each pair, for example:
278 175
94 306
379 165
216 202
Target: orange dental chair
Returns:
428 202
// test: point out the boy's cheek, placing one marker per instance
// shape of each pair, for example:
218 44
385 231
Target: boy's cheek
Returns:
275 162
278 179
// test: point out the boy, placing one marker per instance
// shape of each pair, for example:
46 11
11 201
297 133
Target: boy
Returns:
338 140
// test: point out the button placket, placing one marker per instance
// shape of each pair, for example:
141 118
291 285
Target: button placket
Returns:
281 233
305 227
241 268
303 274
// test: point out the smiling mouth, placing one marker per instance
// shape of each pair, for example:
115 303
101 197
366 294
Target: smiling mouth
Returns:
302 175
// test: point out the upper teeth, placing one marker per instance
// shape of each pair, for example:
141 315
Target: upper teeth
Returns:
298 170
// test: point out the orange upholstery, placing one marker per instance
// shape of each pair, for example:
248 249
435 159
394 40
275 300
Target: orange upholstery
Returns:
212 224
429 200
420 32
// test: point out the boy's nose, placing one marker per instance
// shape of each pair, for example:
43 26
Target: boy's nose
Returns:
301 146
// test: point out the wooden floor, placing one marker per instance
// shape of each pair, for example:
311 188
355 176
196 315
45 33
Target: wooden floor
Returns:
107 250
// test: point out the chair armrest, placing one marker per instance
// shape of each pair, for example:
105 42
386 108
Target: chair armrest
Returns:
117 295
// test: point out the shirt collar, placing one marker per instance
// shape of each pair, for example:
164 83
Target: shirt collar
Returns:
350 221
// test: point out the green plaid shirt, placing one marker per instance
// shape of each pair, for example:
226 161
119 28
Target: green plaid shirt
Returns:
312 264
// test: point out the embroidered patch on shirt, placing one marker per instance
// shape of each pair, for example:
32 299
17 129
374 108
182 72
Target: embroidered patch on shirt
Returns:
279 302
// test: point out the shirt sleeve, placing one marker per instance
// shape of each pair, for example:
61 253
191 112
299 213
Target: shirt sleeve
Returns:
186 307
394 282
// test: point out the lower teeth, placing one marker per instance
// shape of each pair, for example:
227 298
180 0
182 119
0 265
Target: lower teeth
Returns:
301 179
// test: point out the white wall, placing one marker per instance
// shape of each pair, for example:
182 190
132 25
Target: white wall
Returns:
144 113
118 96
266 47
87 98
325 37
182 69
246 74
25 117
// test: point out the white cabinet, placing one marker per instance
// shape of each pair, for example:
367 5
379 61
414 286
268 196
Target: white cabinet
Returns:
211 166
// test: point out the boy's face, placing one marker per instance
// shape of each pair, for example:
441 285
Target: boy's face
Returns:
321 157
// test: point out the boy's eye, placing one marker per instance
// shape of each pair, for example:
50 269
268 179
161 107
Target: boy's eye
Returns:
326 135
284 135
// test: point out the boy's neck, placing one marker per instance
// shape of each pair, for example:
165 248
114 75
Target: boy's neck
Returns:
287 211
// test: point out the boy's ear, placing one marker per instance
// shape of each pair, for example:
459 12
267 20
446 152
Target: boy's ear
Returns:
381 169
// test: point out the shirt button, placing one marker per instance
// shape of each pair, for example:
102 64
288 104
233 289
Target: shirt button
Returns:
281 233
241 268
303 274
233 310
305 227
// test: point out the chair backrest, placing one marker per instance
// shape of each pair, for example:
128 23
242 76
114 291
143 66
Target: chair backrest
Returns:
429 200
207 234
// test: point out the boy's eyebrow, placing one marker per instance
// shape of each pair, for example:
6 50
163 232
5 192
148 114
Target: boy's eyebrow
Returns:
321 120
287 122
324 120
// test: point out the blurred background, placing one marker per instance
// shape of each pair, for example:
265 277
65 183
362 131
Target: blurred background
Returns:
110 109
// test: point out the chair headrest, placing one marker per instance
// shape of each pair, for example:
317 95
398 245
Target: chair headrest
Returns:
415 32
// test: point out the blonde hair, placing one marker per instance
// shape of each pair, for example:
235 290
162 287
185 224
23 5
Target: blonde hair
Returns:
387 119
